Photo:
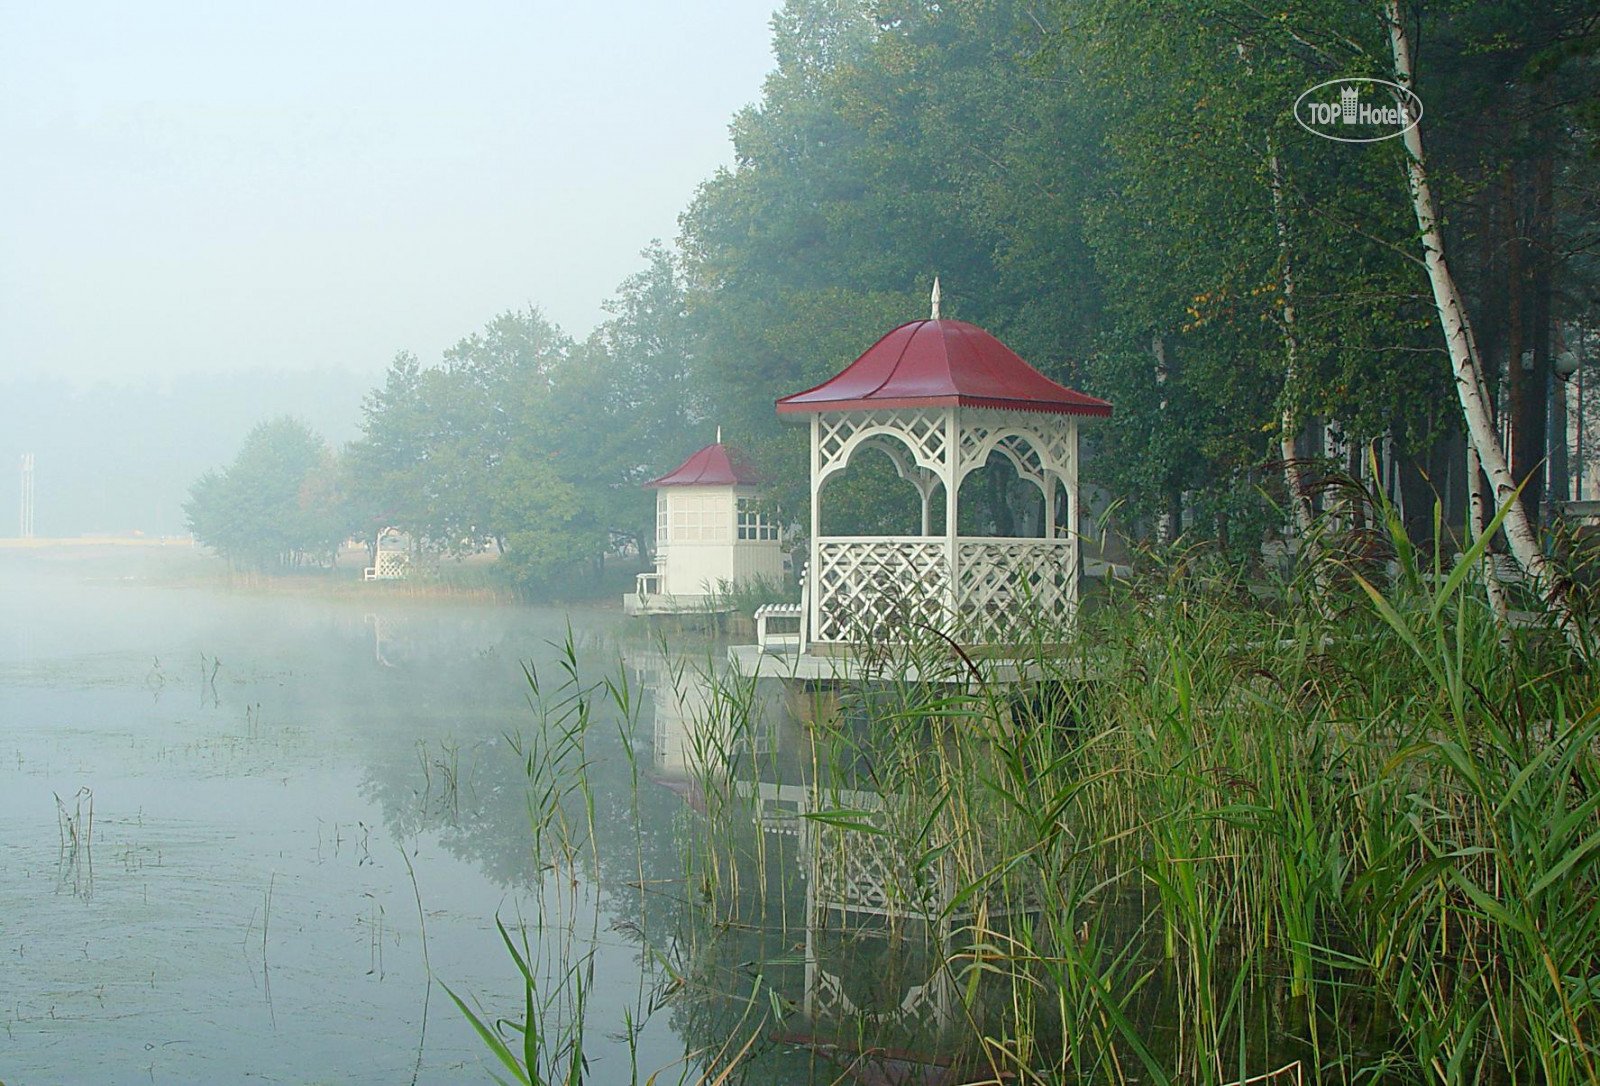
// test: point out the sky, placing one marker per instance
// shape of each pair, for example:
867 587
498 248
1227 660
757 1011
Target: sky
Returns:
214 188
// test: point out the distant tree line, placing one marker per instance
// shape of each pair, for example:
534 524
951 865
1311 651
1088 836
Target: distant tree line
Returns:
519 441
1116 188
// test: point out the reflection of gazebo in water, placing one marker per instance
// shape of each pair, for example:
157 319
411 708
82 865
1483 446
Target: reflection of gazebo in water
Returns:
939 398
690 730
866 899
881 902
883 919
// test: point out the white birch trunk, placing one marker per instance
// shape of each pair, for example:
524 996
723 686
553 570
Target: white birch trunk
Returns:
1336 450
1464 356
1166 529
1288 422
1478 515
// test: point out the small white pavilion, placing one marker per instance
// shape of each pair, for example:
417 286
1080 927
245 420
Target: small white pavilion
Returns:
391 557
938 397
710 535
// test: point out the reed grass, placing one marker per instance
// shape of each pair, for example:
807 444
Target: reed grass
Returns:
1223 836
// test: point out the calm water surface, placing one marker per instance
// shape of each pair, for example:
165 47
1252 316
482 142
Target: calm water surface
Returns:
251 836
259 770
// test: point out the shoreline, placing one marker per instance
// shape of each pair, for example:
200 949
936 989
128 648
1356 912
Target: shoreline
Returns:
15 543
178 562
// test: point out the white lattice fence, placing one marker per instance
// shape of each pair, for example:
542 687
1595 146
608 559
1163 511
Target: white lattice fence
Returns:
925 1005
1007 587
391 565
869 589
866 872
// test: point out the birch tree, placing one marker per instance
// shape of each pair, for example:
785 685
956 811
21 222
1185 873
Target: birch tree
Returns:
1464 360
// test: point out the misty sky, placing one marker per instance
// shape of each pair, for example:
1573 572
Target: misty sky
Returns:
190 187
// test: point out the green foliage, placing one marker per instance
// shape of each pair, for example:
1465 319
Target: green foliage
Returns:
523 441
1215 836
550 533
277 505
1117 189
434 438
884 153
1091 178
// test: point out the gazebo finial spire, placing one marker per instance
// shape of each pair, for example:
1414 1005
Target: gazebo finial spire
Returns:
719 435
935 315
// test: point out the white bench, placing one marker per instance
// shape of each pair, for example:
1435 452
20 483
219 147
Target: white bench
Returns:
781 640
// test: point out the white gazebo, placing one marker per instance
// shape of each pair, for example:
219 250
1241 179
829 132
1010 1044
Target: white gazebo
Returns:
711 535
391 557
938 397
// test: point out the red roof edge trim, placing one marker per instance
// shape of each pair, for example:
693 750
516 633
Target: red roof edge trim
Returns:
824 384
1092 408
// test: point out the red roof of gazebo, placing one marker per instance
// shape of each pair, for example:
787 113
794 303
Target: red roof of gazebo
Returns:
714 465
941 363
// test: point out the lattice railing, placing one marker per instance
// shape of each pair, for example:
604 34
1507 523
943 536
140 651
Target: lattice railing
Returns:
392 565
896 589
875 588
926 1005
869 873
1009 588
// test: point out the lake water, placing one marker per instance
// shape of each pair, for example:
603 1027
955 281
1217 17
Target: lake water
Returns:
264 835
257 835
260 768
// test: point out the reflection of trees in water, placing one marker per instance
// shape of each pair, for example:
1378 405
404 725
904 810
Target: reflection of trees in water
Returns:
731 904
485 786
428 639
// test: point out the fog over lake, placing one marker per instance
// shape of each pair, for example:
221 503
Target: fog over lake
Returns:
256 765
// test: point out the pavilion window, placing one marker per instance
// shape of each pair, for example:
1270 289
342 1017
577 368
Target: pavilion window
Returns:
699 519
752 525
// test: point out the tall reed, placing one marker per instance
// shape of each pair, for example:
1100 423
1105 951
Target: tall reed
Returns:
1220 833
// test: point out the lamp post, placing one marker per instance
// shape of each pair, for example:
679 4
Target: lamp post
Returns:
1581 417
1563 366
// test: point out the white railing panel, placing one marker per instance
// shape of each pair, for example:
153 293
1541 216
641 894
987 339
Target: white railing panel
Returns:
879 587
1011 589
889 587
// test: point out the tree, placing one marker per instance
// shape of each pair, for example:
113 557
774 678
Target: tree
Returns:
386 468
433 438
1464 359
549 533
893 143
622 405
273 507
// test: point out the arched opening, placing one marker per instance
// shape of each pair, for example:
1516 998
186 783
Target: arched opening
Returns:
1065 519
871 496
997 501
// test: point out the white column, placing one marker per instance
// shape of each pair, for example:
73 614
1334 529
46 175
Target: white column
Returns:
1074 549
1052 478
952 512
813 567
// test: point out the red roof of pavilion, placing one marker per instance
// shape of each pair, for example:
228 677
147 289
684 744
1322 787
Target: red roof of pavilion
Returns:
714 465
941 363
